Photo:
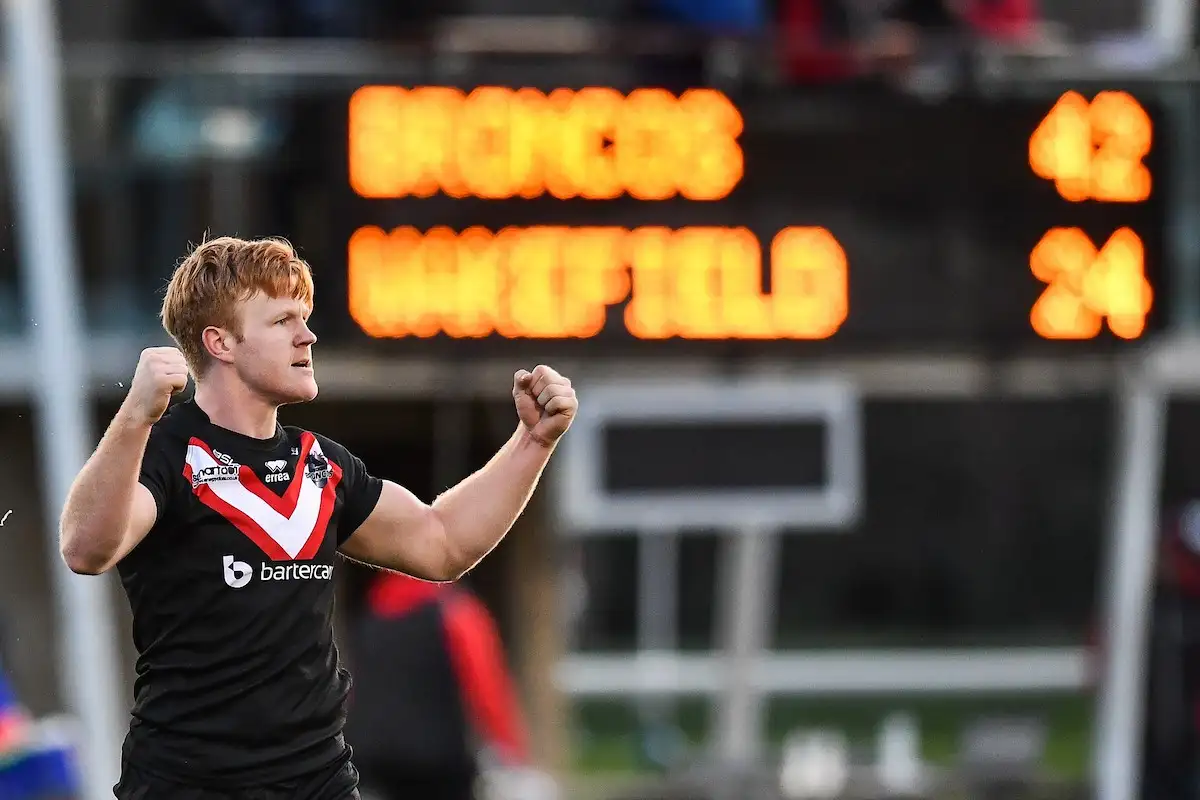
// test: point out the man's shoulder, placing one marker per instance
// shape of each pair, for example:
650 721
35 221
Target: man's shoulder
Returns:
329 447
177 423
171 435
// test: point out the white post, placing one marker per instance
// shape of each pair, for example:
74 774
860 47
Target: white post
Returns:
1169 23
748 589
1128 582
657 614
658 590
87 642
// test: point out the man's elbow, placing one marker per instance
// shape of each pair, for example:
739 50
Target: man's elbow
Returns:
454 565
80 560
454 561
84 564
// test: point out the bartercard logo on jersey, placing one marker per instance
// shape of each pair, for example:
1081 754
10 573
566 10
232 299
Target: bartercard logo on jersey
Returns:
296 572
276 473
238 573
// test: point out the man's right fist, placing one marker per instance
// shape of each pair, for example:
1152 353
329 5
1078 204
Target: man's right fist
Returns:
161 372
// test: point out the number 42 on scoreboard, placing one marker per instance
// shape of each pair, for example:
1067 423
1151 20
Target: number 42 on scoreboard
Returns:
1092 151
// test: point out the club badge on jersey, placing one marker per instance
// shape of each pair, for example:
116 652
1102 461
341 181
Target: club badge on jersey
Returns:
317 469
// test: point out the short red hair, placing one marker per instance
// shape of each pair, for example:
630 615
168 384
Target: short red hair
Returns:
217 275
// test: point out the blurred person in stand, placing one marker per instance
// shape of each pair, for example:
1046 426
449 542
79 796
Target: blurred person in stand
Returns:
37 759
728 17
1171 767
430 678
691 27
14 740
14 722
839 40
250 19
819 41
911 26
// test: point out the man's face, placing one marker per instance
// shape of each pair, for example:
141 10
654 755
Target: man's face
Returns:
274 353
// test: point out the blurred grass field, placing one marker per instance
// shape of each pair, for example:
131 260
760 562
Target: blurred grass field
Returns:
607 733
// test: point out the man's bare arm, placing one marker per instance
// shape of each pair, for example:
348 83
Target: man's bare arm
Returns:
107 510
442 541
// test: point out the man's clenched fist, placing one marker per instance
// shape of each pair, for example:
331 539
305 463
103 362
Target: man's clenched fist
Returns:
546 403
161 372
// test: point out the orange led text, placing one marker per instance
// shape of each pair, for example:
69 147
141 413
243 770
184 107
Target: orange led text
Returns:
1086 286
496 143
1094 151
558 283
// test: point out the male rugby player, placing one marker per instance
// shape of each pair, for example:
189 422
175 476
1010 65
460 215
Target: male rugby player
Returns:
225 527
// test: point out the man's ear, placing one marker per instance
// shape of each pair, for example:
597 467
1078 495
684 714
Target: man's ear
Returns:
218 343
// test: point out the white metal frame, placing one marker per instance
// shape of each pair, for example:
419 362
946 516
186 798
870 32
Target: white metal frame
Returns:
752 519
1169 368
588 508
1170 24
658 674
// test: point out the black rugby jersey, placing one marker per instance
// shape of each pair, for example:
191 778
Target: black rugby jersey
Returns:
238 678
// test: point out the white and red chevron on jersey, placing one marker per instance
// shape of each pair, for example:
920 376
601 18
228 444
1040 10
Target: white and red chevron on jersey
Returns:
286 528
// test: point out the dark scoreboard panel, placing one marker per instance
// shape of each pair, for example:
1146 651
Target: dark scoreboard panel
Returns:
715 455
606 222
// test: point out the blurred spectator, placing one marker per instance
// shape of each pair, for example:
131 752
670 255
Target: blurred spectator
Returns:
217 19
834 40
13 720
1172 724
712 16
290 18
910 23
818 40
1002 20
429 677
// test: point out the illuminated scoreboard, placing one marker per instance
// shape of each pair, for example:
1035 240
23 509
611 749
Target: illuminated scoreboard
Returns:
1093 151
615 220
498 143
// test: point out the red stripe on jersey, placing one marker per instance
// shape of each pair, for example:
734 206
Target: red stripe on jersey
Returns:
285 506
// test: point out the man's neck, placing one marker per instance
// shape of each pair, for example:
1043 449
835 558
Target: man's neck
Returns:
231 405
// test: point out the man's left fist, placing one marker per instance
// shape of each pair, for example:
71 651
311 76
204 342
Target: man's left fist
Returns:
546 403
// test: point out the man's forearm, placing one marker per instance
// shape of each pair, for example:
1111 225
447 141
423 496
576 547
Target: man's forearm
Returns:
479 511
96 515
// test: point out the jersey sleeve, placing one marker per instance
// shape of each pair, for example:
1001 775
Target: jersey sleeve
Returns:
362 490
158 473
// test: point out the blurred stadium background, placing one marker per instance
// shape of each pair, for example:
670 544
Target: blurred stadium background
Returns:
883 318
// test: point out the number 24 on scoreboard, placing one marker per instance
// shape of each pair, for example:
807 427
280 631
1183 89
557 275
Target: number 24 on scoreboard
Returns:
1092 151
